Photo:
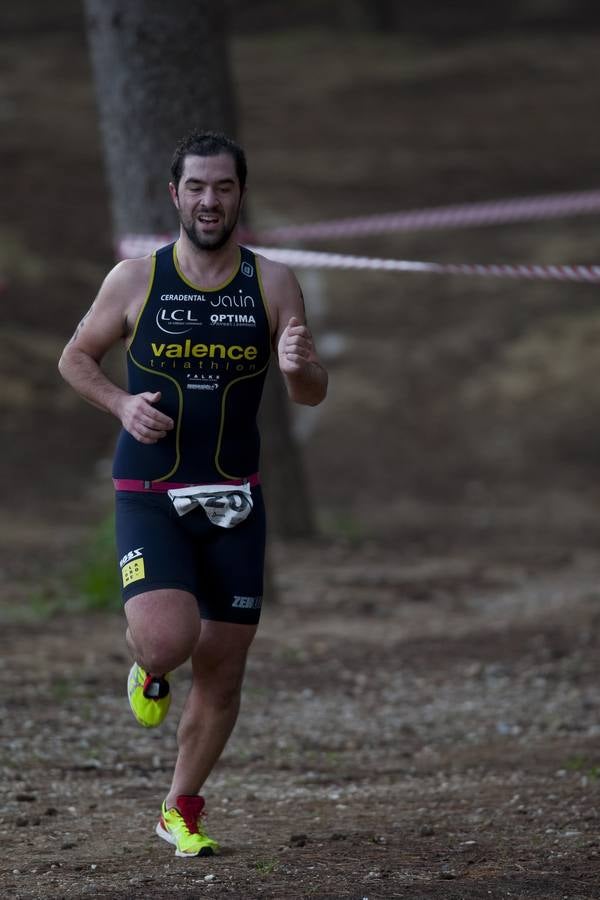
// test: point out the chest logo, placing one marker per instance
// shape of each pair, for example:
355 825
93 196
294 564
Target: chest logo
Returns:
232 319
176 321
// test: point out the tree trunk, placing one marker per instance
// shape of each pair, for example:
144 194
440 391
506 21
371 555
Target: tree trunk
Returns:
286 490
160 70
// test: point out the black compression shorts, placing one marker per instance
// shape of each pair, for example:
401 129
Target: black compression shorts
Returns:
222 567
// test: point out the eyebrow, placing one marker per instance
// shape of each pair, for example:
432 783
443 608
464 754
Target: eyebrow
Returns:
227 180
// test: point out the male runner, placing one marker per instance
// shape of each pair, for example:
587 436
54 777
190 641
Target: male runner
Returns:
199 319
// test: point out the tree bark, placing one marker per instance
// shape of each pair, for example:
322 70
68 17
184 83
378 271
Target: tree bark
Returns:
285 484
160 69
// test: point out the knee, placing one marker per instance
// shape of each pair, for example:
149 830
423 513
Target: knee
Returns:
159 654
163 628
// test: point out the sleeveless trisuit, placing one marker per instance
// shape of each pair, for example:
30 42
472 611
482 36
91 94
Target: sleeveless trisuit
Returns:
207 351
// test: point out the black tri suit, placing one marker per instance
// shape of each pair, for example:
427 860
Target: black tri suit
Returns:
207 351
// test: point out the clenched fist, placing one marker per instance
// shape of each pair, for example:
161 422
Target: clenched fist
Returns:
296 348
143 422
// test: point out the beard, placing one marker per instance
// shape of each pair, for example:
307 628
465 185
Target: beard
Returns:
213 242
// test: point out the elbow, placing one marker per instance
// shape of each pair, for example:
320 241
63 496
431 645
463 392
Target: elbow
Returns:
62 363
321 393
316 399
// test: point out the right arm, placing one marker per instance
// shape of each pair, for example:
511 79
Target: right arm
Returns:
111 319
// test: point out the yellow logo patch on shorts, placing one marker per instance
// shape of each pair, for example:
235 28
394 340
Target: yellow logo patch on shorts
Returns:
133 571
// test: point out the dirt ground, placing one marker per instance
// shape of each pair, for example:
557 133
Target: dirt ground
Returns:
410 728
420 716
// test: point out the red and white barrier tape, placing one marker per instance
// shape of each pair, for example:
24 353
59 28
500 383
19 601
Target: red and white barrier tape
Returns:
313 260
140 245
465 215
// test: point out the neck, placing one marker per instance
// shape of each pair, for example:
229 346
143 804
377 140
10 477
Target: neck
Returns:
206 267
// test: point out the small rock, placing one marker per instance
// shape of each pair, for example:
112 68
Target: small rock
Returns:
338 836
51 811
446 873
25 798
21 822
298 840
427 831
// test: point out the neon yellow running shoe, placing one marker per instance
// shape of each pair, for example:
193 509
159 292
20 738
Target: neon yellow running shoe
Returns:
181 825
149 696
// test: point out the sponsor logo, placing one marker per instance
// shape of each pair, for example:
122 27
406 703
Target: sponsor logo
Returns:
211 351
232 319
247 270
133 554
240 602
203 383
233 301
132 566
182 298
176 321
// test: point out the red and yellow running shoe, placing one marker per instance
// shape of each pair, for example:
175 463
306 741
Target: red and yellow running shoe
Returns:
181 825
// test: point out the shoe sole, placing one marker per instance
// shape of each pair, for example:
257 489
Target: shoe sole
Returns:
167 836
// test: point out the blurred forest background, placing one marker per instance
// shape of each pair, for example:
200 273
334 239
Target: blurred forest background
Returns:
461 410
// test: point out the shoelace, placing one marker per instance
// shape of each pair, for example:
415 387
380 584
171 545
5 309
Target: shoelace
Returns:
191 811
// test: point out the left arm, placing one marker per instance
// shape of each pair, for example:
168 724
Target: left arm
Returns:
303 372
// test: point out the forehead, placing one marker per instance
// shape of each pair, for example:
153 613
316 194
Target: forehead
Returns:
209 168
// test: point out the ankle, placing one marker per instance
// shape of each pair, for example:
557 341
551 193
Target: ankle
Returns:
171 800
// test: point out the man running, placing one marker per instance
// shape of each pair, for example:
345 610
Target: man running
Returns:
199 319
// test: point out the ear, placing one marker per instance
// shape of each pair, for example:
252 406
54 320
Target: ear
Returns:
173 193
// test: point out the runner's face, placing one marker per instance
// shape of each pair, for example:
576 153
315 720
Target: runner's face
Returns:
208 199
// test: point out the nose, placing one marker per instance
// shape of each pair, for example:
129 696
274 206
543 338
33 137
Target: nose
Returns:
209 197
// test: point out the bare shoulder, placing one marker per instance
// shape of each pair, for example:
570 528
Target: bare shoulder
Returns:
282 293
112 315
276 277
128 278
124 290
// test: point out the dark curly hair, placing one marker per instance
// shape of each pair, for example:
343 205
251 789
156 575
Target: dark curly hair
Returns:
208 143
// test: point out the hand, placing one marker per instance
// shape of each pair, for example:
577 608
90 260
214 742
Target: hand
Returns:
296 349
146 424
